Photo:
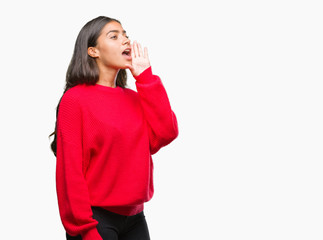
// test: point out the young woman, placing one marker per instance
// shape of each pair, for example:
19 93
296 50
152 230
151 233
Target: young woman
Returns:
106 133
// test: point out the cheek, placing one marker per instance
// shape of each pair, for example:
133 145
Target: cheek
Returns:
110 49
110 52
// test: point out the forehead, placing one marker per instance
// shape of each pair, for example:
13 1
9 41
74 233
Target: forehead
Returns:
112 26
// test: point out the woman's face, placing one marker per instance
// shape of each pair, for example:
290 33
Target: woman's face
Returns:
111 46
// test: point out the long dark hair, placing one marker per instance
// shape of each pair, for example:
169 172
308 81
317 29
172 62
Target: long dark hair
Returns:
83 68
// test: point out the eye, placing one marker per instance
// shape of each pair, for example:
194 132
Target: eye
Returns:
114 37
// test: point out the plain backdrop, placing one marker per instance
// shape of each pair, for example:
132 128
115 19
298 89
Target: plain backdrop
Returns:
245 81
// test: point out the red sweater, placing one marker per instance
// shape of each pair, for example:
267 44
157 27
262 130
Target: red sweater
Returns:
105 139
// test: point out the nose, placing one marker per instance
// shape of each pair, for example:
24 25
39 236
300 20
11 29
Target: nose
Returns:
126 41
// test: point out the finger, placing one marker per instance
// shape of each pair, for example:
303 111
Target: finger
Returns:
140 50
135 46
146 52
132 51
130 67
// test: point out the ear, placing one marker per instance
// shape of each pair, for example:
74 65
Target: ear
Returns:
93 52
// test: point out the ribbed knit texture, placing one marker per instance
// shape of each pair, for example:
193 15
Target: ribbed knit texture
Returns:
105 139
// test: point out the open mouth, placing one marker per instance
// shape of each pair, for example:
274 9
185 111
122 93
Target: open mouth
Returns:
127 52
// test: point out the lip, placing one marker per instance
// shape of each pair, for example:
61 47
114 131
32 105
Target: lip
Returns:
127 49
128 57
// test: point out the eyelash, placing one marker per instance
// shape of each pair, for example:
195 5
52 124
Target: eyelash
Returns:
116 37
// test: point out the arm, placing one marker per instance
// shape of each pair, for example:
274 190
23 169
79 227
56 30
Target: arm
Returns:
72 193
161 120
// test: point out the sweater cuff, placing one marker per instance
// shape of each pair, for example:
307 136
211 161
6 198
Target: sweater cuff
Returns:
92 234
146 76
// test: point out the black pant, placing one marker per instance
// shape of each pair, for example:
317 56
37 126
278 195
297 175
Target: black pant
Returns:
113 226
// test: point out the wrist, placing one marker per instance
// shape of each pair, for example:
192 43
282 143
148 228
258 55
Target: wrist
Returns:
145 76
92 234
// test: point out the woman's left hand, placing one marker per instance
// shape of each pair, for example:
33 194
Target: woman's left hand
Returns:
140 60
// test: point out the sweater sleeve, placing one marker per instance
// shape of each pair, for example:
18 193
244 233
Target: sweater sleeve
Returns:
161 120
72 193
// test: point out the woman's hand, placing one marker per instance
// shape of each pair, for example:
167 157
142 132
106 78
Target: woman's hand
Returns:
140 60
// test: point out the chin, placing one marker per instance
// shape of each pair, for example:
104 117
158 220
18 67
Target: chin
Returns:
123 64
123 67
118 67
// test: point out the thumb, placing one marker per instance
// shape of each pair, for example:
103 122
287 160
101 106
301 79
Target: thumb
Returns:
130 67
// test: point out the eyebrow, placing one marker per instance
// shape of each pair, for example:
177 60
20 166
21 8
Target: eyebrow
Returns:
117 31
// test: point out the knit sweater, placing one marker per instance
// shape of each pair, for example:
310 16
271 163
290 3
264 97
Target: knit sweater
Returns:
105 139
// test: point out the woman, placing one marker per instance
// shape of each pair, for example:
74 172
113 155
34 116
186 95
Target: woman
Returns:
106 133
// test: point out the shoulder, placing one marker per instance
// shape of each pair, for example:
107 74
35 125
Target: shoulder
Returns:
132 96
130 92
73 96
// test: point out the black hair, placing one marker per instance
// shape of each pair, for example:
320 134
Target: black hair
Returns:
83 68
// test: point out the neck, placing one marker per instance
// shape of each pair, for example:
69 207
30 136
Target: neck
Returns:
108 77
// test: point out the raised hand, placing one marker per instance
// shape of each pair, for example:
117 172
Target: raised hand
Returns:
140 60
